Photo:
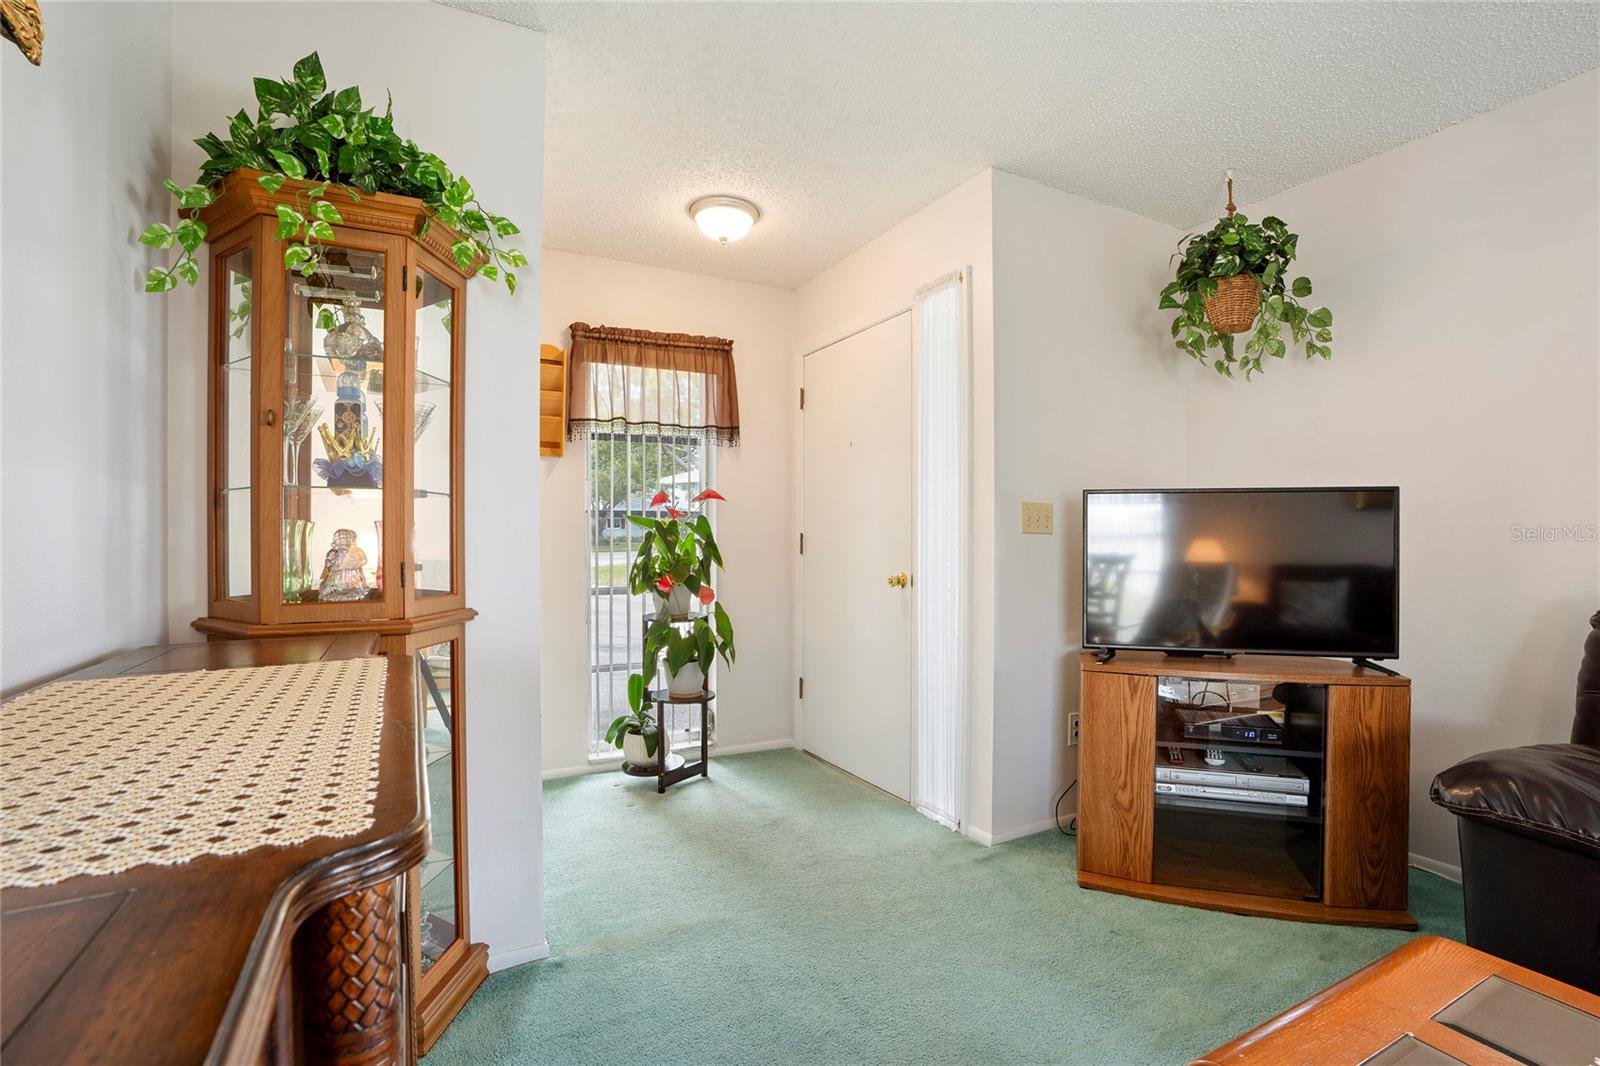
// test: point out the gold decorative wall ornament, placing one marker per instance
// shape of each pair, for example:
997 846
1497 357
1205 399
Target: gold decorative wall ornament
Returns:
23 26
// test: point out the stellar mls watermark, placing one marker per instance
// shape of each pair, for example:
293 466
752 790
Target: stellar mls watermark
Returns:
1544 533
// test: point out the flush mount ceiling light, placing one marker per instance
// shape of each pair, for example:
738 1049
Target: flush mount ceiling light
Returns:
724 218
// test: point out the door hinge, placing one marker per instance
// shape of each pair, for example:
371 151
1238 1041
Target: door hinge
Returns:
802 399
402 577
802 544
404 277
802 688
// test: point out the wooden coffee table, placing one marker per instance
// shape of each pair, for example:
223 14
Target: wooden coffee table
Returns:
1398 1001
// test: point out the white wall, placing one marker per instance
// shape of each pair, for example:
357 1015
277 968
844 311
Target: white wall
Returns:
84 371
488 126
1065 339
1463 273
955 230
754 527
1087 394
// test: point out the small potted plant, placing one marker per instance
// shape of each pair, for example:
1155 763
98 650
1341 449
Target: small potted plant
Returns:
688 652
676 556
635 732
1232 277
687 655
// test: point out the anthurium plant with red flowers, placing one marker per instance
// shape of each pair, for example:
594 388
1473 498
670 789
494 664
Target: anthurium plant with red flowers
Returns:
679 549
677 552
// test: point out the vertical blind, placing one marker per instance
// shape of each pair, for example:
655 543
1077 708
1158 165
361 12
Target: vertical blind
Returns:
624 470
942 388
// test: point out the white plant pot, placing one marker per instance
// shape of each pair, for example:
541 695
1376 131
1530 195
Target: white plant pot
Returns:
676 602
634 752
689 681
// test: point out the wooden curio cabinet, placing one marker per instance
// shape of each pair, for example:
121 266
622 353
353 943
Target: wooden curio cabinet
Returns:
336 408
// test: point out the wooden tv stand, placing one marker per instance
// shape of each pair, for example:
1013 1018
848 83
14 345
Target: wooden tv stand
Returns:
1341 860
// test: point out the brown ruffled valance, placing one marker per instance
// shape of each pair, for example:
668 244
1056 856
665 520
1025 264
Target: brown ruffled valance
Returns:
635 377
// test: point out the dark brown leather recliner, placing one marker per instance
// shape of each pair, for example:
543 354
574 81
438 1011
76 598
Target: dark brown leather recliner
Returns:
1530 843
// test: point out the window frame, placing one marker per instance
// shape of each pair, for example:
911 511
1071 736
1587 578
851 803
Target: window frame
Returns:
601 710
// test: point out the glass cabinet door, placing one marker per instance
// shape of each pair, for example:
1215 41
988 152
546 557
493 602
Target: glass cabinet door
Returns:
435 686
333 396
433 532
238 425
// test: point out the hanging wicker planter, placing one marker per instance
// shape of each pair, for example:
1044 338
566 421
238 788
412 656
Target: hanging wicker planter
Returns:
1234 278
1233 308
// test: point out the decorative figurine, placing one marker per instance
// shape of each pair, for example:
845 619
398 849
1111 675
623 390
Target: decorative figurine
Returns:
343 577
353 460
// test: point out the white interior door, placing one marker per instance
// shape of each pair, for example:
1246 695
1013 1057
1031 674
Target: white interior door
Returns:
856 507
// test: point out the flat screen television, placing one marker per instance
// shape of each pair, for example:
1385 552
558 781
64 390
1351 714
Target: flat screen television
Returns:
1285 571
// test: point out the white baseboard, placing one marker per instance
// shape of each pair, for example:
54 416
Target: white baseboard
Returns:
504 960
1434 866
988 839
597 767
609 763
759 745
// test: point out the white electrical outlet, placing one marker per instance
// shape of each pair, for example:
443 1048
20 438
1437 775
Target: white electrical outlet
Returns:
1072 730
1038 517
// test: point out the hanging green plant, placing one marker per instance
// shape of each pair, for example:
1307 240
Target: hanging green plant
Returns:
1233 276
345 150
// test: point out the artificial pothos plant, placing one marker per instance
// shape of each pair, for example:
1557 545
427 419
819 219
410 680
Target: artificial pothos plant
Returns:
679 549
1262 252
345 151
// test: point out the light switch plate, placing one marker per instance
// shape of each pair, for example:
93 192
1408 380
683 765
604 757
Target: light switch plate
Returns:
1038 517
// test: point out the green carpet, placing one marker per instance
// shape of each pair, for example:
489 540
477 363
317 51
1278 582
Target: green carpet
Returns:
785 912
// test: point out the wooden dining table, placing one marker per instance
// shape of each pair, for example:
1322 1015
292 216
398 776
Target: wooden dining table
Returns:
280 954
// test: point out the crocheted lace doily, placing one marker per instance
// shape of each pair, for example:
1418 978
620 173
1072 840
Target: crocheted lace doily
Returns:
100 776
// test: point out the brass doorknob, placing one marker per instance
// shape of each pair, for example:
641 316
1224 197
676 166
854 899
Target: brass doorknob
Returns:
900 580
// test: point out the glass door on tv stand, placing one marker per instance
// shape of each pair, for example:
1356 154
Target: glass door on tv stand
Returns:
334 493
1239 789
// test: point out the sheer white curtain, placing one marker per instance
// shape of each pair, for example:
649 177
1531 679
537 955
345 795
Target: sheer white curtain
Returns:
941 359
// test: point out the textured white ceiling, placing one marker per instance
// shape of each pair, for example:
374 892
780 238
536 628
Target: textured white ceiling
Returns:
839 120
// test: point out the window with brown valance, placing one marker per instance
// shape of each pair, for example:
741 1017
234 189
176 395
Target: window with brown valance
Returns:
634 377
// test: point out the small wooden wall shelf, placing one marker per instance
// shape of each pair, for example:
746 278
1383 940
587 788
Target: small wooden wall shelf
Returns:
1350 866
552 400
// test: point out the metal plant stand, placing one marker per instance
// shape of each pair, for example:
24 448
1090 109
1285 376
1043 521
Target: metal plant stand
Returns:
670 767
673 768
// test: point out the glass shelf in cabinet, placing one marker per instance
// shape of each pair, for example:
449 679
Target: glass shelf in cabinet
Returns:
426 382
434 865
356 494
